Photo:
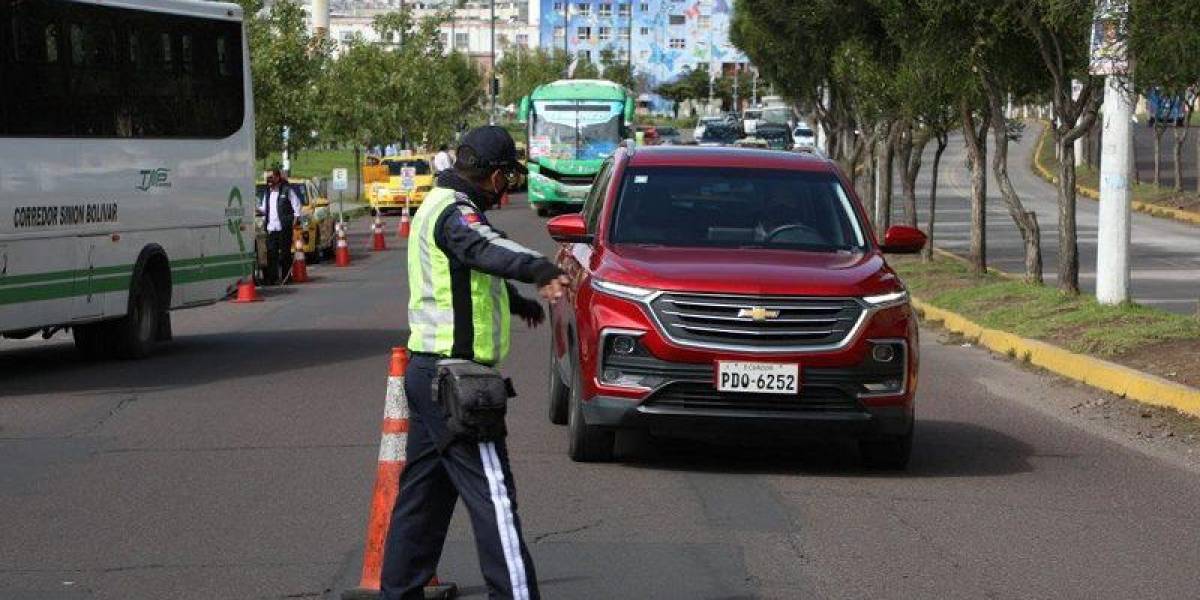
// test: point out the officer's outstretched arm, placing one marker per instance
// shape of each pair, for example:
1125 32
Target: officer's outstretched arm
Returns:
464 235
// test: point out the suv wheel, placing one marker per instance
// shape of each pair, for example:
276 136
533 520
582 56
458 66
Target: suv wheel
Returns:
588 442
558 392
887 454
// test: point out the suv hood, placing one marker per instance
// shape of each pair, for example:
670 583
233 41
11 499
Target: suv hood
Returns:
748 271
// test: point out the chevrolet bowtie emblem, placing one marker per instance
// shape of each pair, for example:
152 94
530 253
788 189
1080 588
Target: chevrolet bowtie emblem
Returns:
758 313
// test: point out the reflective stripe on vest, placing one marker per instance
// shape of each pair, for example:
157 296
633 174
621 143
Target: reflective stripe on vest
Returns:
431 303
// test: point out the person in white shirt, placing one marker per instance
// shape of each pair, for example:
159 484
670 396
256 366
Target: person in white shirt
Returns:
442 160
280 205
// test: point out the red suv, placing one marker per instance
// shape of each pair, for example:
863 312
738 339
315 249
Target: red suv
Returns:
729 289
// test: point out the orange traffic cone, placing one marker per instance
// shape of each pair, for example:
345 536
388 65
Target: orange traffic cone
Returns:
405 226
246 292
299 263
342 253
387 487
504 200
378 240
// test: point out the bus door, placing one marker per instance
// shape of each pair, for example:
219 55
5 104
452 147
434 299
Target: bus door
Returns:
88 303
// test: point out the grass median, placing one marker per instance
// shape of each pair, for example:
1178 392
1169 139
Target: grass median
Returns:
314 163
1089 177
1144 338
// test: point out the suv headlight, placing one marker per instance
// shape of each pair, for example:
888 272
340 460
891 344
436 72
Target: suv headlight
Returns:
620 290
887 300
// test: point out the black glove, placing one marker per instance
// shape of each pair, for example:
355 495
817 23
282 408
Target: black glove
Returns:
530 311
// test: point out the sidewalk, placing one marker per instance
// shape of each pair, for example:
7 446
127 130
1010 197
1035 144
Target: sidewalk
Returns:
1166 254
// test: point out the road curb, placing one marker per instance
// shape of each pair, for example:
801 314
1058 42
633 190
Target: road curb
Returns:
1153 210
1100 374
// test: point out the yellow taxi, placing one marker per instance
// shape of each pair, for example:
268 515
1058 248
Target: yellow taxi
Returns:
391 195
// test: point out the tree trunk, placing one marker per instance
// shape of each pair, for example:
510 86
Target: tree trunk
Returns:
870 171
1159 130
942 141
911 150
887 151
1068 240
977 153
1180 138
1026 221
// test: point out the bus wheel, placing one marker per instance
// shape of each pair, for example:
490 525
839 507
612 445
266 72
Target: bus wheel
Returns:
543 211
136 333
91 340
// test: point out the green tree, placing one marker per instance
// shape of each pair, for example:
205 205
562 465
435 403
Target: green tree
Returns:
585 68
287 64
1164 43
523 69
618 70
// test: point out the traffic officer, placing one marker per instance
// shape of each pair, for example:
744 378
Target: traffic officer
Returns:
459 307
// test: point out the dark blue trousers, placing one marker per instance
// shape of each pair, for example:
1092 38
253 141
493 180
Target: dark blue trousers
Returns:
430 487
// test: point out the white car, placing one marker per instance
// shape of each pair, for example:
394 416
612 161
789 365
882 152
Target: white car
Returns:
803 137
704 122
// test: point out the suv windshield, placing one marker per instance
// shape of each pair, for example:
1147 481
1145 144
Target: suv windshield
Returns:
722 134
735 208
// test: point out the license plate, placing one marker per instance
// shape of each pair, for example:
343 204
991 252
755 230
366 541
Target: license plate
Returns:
577 193
758 377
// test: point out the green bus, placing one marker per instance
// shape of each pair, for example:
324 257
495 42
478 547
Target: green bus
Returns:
572 126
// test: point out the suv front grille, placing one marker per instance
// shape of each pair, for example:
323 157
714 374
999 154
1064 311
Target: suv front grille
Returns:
696 395
763 322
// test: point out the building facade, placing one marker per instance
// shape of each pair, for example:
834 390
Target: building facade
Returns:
665 36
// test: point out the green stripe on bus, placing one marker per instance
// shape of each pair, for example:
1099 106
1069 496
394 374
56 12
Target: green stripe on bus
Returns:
119 282
68 275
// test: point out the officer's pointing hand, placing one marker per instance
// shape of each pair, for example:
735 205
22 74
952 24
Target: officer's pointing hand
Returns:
553 290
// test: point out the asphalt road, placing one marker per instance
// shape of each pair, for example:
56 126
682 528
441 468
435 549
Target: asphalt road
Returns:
239 465
1165 253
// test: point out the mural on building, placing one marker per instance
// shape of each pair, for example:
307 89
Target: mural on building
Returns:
668 36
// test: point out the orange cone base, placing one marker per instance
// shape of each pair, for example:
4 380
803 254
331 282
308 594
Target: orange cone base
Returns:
342 257
405 228
299 272
379 242
246 292
443 590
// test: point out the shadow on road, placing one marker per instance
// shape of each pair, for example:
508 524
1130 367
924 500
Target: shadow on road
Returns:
941 449
192 360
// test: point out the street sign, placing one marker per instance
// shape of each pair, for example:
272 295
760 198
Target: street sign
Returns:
408 181
341 179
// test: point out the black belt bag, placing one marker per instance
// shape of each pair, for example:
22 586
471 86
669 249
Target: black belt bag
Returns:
474 398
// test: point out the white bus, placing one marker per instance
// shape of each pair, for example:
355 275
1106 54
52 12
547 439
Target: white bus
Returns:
126 167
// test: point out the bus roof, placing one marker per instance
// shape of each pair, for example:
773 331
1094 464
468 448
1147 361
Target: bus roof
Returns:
226 11
580 89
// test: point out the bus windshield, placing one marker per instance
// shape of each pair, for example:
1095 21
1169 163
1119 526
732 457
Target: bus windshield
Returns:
575 129
396 167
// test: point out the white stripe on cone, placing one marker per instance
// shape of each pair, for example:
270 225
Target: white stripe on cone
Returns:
395 406
392 447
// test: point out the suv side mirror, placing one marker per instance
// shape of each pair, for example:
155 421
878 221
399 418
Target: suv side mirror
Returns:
569 229
900 239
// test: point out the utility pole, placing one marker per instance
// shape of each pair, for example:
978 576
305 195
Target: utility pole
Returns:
492 75
737 67
754 89
566 40
1109 58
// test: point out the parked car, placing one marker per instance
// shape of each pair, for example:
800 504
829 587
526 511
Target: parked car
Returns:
803 137
776 135
669 136
719 135
731 291
703 124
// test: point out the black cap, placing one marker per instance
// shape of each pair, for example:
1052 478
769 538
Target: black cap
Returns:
489 147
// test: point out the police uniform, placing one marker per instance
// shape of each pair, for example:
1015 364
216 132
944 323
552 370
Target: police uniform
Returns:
460 307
